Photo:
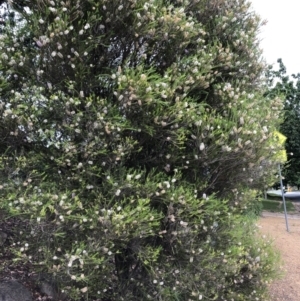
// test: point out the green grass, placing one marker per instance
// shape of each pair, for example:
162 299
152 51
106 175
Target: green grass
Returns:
277 206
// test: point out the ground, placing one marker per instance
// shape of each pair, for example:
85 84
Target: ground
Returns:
288 244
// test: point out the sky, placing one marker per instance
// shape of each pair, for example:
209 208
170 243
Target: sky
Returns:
280 37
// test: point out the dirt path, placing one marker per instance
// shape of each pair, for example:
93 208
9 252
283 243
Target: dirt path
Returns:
288 243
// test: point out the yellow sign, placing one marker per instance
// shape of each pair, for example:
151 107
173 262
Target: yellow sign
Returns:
281 155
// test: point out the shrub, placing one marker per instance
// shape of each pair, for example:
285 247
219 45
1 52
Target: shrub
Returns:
133 133
254 208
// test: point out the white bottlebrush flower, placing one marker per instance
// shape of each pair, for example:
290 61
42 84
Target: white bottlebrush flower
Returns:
215 224
87 26
167 184
118 192
53 54
183 224
81 32
39 43
41 21
163 94
12 62
143 76
201 146
4 56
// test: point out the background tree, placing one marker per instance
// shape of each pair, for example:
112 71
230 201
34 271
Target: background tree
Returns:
133 134
289 88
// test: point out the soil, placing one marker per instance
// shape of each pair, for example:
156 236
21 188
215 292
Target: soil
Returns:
288 243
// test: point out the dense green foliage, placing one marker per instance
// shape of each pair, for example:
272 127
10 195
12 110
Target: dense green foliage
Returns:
281 84
132 136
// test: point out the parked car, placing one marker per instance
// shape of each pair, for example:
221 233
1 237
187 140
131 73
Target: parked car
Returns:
287 194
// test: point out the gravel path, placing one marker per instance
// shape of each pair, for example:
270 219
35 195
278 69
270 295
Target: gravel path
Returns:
288 243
